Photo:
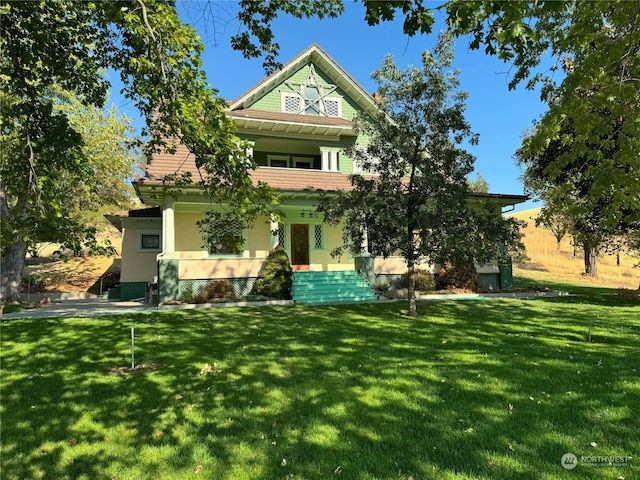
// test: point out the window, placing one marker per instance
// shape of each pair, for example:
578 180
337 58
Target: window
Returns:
148 241
299 162
281 235
291 103
332 107
311 96
317 236
311 100
281 161
216 245
364 162
314 103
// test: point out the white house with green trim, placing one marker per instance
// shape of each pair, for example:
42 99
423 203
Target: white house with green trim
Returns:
298 122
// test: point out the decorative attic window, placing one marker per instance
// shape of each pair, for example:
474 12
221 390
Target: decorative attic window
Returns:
291 103
332 107
313 97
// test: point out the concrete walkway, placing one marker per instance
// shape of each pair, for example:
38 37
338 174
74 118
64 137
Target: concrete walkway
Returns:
92 307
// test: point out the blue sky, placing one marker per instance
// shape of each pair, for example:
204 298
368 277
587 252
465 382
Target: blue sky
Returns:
497 114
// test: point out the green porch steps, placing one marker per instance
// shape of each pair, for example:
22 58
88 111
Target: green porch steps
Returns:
331 287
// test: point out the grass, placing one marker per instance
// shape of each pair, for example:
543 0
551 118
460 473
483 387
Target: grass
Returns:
496 389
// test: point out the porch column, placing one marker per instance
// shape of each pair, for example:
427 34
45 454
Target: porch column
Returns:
364 261
333 161
364 247
325 161
168 228
250 153
274 227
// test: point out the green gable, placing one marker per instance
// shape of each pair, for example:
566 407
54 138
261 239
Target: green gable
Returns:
272 101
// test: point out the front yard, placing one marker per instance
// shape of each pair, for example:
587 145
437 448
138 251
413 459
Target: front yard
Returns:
469 390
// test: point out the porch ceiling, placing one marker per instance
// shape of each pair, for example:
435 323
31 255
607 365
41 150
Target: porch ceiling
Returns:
278 123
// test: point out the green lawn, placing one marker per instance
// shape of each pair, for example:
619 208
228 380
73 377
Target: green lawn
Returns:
470 389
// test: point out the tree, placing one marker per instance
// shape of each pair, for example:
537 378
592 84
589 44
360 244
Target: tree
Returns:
564 192
110 149
110 159
415 204
479 185
70 44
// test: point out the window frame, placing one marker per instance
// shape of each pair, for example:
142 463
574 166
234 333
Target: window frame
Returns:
244 253
140 233
303 104
278 158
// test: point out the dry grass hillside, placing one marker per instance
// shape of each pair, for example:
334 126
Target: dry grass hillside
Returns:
49 273
548 262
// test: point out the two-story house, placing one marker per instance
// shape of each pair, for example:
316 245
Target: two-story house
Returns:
298 121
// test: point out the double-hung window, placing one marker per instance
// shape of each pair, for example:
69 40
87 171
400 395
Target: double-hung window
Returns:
219 245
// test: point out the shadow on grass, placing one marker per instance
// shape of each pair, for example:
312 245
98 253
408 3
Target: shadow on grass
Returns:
493 389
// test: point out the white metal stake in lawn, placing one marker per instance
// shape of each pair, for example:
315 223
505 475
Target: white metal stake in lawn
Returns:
133 330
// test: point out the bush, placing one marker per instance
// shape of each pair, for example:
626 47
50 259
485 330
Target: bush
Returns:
188 296
276 277
465 278
33 282
216 292
381 286
629 295
423 279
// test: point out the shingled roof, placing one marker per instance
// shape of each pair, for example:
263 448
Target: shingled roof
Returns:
182 161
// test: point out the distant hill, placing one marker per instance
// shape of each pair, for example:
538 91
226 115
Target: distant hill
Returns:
547 261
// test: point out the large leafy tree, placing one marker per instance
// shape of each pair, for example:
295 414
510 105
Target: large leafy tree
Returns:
109 146
415 203
70 44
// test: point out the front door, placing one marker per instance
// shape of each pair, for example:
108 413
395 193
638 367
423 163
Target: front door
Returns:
300 246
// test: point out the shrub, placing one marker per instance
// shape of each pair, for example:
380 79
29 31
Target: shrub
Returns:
629 295
188 295
276 277
216 292
381 286
423 279
34 282
465 278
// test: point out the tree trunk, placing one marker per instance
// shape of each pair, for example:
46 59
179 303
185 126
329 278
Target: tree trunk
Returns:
590 261
411 289
12 266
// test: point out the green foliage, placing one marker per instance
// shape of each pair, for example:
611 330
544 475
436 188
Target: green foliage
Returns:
417 205
452 277
188 296
257 16
33 282
216 291
43 152
381 286
478 185
423 279
276 276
